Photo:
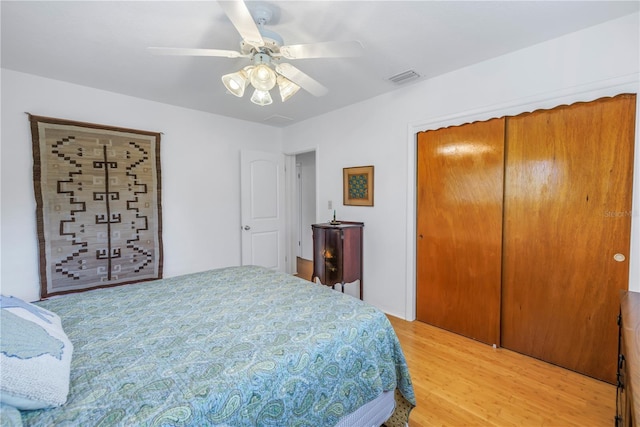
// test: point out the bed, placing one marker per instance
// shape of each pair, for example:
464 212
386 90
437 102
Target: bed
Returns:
238 346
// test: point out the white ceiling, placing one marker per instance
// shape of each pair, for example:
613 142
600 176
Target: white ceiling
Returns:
102 44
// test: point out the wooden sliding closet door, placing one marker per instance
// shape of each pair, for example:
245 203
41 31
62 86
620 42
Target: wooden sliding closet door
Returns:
459 227
566 232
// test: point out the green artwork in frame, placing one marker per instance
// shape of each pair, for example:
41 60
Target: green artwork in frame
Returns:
358 186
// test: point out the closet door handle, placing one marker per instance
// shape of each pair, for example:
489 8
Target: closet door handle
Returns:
619 257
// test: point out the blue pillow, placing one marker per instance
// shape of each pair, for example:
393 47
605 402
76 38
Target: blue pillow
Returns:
35 356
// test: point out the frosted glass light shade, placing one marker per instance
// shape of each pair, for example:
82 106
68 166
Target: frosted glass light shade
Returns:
263 77
261 97
287 88
236 82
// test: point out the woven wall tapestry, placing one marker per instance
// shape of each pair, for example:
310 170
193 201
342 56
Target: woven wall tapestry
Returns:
97 191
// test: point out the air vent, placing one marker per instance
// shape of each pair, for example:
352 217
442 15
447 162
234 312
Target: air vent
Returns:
404 77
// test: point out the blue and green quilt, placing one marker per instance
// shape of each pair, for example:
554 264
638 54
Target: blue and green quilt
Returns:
239 346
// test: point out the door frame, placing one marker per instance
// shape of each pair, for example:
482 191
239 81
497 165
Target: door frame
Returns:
298 215
291 203
547 100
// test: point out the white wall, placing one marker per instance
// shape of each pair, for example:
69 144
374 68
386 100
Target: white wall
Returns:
599 61
200 155
201 192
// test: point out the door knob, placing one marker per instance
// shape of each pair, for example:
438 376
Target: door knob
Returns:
619 257
246 227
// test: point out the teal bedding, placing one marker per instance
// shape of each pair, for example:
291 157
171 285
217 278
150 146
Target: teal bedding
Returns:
239 346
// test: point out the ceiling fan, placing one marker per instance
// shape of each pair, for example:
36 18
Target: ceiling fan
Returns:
266 50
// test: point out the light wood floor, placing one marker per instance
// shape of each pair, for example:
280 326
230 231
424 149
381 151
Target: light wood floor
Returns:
461 382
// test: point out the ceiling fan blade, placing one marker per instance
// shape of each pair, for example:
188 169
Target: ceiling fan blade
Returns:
301 79
323 50
241 18
195 52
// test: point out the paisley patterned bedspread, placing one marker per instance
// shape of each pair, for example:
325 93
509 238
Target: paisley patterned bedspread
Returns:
239 346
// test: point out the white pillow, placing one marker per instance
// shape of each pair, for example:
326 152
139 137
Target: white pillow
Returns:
35 356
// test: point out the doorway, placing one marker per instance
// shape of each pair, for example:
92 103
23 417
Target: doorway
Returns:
302 210
306 190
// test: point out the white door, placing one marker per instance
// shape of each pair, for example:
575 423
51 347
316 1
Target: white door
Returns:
262 208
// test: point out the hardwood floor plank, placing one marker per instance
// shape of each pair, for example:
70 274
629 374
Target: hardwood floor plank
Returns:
462 382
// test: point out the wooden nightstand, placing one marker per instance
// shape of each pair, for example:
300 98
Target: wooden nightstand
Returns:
337 253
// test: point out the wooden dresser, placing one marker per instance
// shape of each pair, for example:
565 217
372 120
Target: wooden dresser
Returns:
337 253
628 392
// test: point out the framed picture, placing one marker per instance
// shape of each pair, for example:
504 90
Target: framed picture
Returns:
357 186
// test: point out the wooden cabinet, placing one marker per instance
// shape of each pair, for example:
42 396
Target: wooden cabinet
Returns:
628 404
337 253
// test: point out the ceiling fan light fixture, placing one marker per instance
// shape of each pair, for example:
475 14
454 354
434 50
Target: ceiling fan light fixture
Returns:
265 49
236 82
263 77
261 97
287 88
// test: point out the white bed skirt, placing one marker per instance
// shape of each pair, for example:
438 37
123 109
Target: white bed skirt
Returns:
372 414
